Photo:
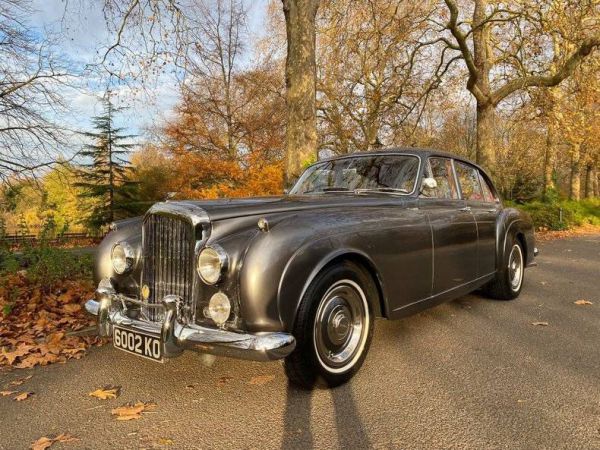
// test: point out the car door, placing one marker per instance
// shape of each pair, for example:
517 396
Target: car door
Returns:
454 231
484 207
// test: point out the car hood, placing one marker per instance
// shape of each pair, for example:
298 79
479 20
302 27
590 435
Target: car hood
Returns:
230 208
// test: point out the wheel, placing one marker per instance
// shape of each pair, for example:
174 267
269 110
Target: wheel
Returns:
333 328
508 282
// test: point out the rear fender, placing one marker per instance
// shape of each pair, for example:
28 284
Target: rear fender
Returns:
513 224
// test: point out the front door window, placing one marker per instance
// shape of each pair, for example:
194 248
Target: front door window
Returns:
440 169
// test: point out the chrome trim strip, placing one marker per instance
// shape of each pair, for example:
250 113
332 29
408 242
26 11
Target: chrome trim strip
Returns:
177 337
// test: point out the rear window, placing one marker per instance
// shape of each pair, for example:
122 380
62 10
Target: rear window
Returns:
468 178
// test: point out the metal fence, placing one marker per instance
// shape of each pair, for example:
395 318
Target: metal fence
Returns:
17 239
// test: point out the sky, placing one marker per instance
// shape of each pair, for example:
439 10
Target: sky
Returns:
85 31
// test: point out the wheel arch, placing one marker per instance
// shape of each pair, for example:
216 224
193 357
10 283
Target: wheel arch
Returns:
289 298
517 226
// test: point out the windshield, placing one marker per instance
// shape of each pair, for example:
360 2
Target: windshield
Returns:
377 173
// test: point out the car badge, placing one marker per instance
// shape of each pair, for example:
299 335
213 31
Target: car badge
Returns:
145 292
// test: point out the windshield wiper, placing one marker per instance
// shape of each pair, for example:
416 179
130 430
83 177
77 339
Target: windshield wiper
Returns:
328 189
383 190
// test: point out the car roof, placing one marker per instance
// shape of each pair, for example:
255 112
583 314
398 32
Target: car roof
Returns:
421 152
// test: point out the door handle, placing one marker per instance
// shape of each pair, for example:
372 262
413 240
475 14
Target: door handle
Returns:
493 210
466 208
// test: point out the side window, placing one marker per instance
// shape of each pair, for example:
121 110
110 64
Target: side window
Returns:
488 195
468 177
441 171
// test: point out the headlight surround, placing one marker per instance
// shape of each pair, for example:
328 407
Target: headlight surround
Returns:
122 257
211 264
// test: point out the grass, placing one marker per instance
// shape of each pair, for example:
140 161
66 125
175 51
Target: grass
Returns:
558 214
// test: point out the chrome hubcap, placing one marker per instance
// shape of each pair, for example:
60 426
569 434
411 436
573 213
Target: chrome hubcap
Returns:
515 267
341 326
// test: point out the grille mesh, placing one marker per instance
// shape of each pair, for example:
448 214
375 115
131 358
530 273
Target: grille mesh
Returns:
168 256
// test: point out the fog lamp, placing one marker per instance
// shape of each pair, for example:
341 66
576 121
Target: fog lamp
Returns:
219 308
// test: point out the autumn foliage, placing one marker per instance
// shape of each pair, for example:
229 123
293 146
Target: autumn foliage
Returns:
228 145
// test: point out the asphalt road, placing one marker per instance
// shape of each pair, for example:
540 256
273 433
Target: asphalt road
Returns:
472 373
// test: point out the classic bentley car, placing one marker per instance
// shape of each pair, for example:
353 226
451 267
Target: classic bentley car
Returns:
303 276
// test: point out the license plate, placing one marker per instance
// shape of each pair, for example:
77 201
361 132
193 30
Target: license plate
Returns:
144 345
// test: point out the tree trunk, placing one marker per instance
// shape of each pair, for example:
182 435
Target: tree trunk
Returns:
549 158
589 186
575 188
300 78
486 151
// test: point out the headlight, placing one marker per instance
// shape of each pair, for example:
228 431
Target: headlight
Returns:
122 257
219 308
212 262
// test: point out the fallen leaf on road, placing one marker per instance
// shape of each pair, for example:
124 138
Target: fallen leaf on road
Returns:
583 302
42 443
20 381
5 393
262 379
23 396
224 380
106 392
131 412
20 351
541 324
165 441
45 442
65 437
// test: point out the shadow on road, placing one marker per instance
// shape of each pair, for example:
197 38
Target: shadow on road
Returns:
297 420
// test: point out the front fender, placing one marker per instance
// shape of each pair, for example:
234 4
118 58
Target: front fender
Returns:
278 268
305 265
130 231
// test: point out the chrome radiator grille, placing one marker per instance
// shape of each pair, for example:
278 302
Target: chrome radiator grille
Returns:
168 258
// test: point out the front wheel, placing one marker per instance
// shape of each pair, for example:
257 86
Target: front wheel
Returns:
509 281
334 327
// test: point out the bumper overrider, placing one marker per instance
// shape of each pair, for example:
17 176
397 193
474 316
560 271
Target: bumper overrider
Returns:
110 310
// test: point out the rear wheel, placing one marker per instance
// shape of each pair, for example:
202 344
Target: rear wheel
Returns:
509 281
333 328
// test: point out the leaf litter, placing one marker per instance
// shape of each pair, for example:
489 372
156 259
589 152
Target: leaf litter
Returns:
36 329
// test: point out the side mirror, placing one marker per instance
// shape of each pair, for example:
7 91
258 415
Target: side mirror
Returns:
429 183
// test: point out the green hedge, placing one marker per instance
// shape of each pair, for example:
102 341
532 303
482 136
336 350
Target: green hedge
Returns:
547 214
45 265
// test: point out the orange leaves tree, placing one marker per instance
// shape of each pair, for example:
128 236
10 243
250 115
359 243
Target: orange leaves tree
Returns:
227 139
197 139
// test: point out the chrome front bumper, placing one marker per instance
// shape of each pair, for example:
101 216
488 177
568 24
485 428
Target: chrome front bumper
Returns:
176 337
